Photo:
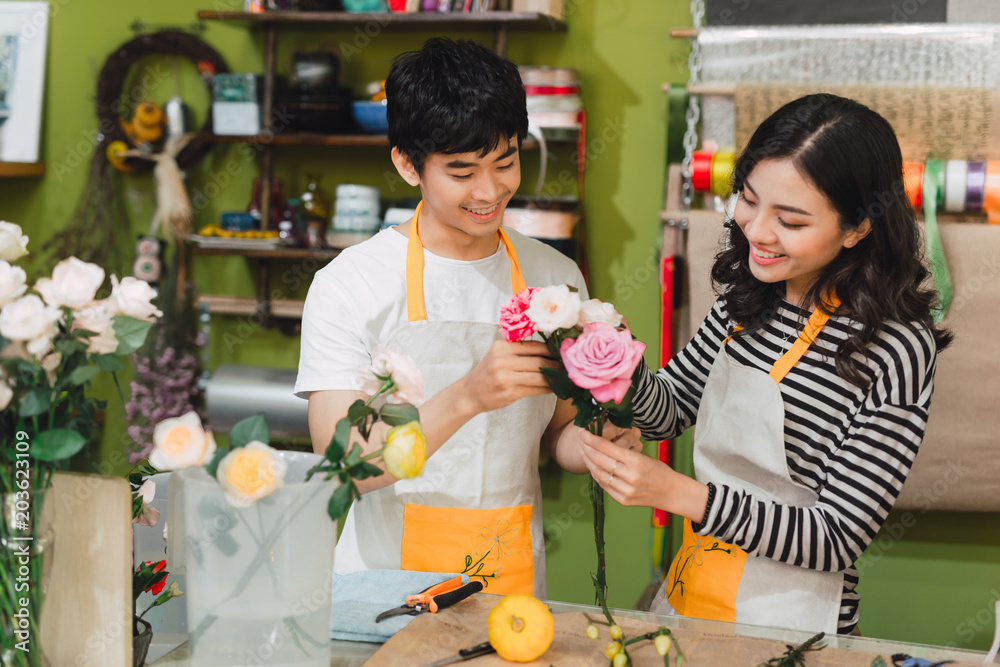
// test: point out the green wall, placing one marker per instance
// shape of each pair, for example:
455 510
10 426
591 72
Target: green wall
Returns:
928 580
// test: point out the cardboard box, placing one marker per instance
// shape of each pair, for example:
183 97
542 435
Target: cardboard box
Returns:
553 8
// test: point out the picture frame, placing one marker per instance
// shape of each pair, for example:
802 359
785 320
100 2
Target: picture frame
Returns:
24 28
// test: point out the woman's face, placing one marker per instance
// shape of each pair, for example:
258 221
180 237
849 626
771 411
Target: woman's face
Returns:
793 230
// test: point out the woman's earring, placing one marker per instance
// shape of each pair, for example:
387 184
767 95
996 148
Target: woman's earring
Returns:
850 243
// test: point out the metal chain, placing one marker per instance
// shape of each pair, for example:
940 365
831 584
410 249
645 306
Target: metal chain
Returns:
693 114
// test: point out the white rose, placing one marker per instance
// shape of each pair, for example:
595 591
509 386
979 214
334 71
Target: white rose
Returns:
6 393
392 363
50 362
181 442
599 311
12 282
73 283
554 307
98 317
249 473
13 242
133 298
27 319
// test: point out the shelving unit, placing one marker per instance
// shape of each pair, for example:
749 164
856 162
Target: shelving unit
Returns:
22 169
500 23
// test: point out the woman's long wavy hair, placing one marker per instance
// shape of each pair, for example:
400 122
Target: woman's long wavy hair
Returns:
850 153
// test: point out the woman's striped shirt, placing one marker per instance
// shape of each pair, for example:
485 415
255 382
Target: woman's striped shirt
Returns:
851 446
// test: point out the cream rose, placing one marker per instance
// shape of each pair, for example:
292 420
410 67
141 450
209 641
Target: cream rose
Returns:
28 319
6 393
99 318
390 363
181 442
73 283
599 311
250 473
12 282
133 298
554 307
13 242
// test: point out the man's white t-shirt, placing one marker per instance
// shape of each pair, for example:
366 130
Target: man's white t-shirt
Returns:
359 299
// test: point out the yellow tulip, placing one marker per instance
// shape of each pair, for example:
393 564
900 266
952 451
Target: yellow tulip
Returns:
405 450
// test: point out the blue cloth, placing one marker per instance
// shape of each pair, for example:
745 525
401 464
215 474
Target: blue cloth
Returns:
359 597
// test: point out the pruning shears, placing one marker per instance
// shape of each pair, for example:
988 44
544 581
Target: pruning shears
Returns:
434 598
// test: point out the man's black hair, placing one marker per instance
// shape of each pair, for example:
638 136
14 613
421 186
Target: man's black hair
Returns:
453 97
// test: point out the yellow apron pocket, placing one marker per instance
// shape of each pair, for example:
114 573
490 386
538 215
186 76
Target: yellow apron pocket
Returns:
705 576
492 546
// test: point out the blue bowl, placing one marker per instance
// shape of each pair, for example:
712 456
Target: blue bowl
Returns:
371 117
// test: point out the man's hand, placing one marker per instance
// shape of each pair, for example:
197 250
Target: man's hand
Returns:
508 372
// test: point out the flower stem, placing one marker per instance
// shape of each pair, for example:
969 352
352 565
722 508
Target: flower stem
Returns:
597 500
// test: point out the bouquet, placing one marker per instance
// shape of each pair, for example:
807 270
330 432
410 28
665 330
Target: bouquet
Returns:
55 337
601 362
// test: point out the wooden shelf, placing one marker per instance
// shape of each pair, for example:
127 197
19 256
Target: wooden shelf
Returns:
243 306
322 254
297 139
396 21
22 169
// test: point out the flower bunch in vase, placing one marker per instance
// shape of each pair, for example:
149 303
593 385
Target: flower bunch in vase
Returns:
55 337
600 362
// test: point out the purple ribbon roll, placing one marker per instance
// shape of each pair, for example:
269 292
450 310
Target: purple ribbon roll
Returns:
975 186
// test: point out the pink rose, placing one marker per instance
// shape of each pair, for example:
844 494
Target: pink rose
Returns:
514 321
602 359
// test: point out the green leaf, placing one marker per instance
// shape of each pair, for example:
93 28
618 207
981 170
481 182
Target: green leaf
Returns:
339 442
622 417
560 383
83 374
586 411
69 346
108 362
340 501
35 402
56 444
131 334
361 415
247 430
396 414
212 466
353 457
364 470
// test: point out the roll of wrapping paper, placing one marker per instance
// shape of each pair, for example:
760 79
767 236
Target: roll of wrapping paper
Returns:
956 174
934 173
975 183
722 174
701 171
991 193
913 180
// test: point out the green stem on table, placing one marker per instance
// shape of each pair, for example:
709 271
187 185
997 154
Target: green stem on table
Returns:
597 500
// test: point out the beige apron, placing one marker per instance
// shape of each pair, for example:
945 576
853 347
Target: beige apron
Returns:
476 509
739 442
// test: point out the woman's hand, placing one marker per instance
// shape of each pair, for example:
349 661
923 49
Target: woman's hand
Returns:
634 479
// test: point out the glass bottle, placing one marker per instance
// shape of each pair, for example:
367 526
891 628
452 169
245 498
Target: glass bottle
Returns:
314 207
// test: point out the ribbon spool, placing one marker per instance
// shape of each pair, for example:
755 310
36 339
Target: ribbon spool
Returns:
701 171
975 184
721 182
913 181
991 193
955 182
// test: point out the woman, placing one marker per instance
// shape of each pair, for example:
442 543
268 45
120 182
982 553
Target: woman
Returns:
811 379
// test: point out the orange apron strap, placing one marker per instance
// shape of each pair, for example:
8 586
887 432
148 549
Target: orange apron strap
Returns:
788 360
415 270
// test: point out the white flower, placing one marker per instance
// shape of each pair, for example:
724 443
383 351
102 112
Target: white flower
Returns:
13 242
27 319
554 307
12 282
249 473
6 393
73 283
392 363
133 298
166 526
50 361
98 317
147 491
599 311
181 442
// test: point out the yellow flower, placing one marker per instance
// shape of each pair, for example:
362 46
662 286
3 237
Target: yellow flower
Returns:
662 643
620 659
250 473
615 631
592 631
181 443
612 649
405 450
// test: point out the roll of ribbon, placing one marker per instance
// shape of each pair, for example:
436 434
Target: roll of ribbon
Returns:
701 171
913 181
551 90
955 175
934 173
975 183
722 174
991 192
